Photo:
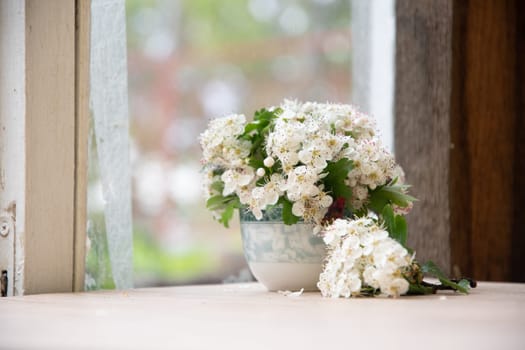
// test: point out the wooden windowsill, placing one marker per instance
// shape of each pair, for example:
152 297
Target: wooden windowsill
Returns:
245 316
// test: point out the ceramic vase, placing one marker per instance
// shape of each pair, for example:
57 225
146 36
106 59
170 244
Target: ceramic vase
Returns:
281 257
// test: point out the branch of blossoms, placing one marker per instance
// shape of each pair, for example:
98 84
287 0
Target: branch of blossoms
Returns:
364 260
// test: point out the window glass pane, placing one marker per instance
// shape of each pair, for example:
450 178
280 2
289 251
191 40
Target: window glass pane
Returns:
189 61
109 254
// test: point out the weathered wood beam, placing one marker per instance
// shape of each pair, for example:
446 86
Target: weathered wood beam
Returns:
422 106
459 132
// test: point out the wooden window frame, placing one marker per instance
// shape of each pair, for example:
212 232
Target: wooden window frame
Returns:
46 210
459 128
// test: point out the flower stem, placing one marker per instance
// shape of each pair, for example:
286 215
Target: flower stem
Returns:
435 287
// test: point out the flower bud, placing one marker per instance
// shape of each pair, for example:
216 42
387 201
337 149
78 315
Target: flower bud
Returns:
260 172
269 162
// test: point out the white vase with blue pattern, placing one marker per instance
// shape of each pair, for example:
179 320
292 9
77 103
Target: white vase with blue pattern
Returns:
282 257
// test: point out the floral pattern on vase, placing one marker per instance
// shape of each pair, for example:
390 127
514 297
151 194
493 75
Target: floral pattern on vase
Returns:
282 257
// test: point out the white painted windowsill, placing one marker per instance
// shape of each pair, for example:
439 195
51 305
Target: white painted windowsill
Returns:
245 316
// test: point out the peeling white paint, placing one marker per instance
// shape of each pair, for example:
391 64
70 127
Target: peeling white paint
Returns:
12 133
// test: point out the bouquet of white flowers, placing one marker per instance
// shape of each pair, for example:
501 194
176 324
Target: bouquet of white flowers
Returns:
313 159
318 163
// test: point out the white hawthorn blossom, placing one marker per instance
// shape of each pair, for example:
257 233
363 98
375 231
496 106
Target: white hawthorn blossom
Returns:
301 141
361 254
269 194
235 179
220 143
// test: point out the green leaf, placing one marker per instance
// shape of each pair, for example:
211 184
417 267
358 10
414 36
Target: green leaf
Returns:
265 114
247 131
400 229
217 186
396 225
431 268
389 194
227 215
388 218
288 217
223 205
255 125
334 181
377 203
215 202
256 163
396 194
256 130
417 289
464 284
